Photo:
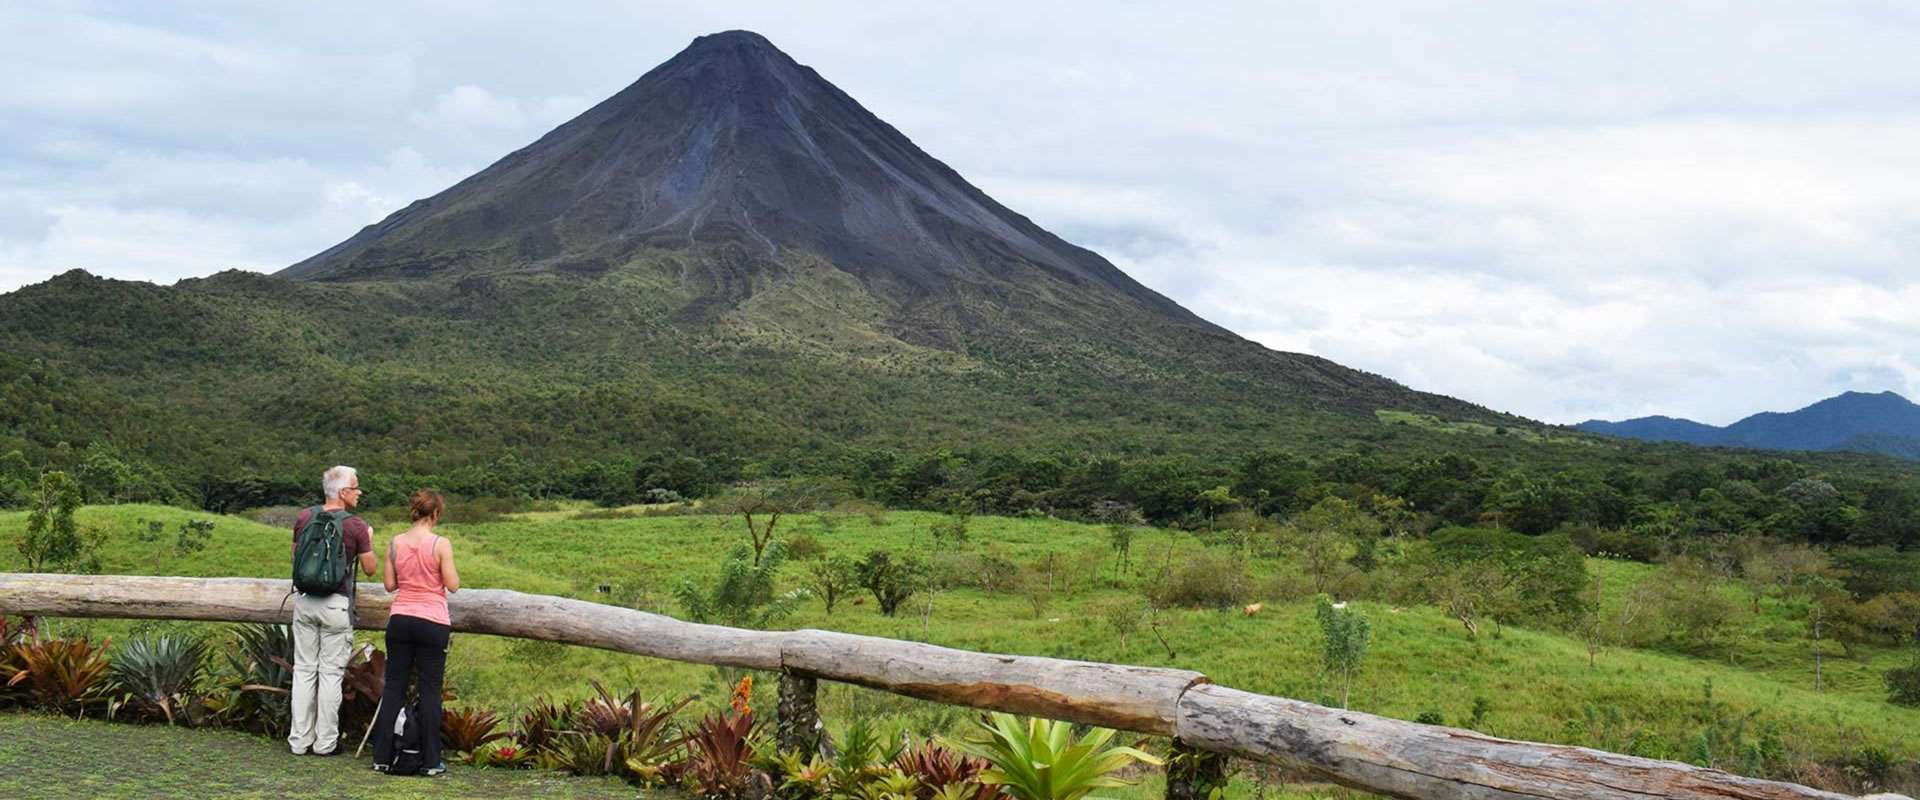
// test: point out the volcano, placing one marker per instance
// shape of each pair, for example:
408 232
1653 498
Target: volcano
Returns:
731 141
729 257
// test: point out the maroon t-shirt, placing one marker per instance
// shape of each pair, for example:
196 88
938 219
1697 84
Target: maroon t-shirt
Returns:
356 537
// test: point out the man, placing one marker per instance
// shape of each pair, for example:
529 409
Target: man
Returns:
323 624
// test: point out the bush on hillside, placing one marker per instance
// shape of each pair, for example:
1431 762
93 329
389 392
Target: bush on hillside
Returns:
1207 579
1903 684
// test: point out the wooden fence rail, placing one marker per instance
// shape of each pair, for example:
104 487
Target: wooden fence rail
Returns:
1363 751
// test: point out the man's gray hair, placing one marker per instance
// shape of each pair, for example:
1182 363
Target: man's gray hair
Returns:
336 479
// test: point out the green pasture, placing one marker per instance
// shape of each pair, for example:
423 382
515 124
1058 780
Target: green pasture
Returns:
1531 683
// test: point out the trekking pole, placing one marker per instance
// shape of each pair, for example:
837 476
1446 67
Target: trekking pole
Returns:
370 724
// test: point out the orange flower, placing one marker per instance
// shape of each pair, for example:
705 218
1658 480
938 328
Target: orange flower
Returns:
742 694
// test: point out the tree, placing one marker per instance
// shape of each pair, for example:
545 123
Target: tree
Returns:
1120 539
53 542
1215 500
891 580
1123 617
831 577
951 530
1036 587
760 506
1344 635
742 595
16 479
1323 539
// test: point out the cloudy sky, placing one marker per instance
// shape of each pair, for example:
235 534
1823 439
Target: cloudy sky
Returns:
1702 210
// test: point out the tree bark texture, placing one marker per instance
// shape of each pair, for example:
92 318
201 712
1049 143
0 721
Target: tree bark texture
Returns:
1376 754
798 727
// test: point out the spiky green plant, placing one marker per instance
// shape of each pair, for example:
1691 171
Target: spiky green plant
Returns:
261 679
1039 759
159 674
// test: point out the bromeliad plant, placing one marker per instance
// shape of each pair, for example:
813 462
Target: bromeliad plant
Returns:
606 735
157 676
939 770
543 724
467 730
1039 759
63 675
720 752
360 687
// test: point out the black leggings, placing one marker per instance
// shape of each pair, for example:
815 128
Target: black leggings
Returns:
418 646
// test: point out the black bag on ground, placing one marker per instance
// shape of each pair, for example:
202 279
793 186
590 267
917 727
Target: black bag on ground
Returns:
408 739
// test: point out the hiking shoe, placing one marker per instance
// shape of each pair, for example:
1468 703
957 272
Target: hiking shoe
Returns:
380 768
333 752
435 770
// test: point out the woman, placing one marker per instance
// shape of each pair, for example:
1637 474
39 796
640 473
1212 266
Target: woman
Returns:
419 572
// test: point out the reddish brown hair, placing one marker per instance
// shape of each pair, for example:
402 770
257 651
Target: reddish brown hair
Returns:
427 504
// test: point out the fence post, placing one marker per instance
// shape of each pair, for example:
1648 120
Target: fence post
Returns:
1192 773
798 725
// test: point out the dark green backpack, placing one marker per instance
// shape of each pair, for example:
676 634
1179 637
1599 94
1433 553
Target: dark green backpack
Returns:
320 555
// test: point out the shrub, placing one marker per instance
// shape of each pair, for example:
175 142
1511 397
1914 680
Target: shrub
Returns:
1207 579
1122 616
742 595
1040 759
62 675
804 547
1285 585
891 580
950 530
1903 684
158 675
1344 636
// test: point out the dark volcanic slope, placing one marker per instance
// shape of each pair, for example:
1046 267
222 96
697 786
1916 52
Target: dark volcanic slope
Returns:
730 141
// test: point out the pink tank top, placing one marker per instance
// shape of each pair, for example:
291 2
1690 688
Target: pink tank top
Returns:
421 594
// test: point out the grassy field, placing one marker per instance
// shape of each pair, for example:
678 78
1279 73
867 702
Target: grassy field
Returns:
54 757
1530 684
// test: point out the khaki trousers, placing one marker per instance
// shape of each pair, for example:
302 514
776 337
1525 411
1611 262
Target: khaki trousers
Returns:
322 643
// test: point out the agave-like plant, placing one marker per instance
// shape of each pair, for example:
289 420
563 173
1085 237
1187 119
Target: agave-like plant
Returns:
1040 760
261 662
65 675
158 674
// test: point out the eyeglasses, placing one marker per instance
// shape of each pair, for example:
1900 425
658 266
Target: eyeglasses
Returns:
354 489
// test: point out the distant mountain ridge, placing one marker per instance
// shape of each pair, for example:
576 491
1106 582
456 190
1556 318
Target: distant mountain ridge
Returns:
1882 422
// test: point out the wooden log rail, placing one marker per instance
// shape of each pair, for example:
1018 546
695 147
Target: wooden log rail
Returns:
1206 721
